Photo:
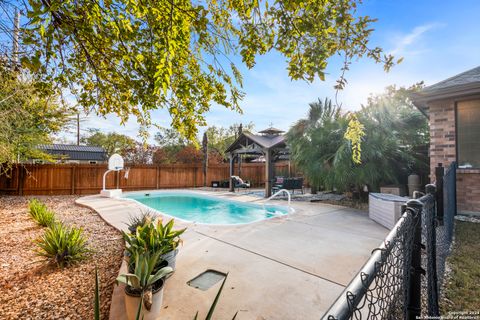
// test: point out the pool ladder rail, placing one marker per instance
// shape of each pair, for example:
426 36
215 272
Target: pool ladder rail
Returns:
276 194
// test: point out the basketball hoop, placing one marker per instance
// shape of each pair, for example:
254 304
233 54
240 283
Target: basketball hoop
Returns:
115 163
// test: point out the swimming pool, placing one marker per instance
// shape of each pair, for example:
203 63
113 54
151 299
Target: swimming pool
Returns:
201 208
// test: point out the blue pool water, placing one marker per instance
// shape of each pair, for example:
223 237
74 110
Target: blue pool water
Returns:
204 209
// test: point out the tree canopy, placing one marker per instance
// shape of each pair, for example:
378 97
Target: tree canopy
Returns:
28 116
393 135
131 57
220 138
112 142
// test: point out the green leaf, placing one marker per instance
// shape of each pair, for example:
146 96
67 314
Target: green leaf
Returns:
172 50
97 296
215 301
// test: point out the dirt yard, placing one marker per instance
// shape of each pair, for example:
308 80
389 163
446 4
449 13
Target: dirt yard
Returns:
35 290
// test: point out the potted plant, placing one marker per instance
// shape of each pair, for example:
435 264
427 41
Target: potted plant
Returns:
170 241
145 217
155 237
144 287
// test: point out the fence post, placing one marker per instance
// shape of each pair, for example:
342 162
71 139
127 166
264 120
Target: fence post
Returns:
415 283
21 179
432 258
439 173
117 179
195 177
232 172
454 190
72 172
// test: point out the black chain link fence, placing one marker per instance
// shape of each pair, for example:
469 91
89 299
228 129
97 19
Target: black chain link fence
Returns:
403 277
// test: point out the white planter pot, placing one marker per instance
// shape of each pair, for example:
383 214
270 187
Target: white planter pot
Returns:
132 302
170 258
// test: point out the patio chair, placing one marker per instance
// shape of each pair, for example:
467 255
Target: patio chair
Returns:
278 182
239 183
288 183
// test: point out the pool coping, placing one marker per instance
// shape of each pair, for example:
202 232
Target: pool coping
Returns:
207 194
209 231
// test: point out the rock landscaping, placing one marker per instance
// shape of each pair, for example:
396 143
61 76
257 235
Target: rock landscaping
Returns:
30 289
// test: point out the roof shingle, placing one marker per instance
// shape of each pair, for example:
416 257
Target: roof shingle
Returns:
467 77
75 152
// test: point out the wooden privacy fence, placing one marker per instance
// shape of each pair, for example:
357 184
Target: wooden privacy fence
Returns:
61 179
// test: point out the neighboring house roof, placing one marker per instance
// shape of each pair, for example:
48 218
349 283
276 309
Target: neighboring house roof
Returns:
263 141
75 152
463 84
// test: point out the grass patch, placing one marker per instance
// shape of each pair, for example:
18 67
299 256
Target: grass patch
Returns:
462 292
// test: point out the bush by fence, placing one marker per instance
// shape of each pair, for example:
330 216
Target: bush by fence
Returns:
60 179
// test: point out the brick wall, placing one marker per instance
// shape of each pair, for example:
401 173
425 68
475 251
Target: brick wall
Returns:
468 190
442 134
443 150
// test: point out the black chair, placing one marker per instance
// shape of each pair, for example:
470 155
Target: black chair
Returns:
224 183
289 184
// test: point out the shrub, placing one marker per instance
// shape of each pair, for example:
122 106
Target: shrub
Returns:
144 218
62 245
385 150
153 237
40 213
144 277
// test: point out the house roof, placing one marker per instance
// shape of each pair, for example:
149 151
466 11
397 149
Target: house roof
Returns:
463 84
467 77
263 141
75 152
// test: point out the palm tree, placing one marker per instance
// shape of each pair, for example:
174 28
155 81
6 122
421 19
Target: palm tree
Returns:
319 149
314 141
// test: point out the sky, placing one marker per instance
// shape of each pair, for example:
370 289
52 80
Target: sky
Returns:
436 38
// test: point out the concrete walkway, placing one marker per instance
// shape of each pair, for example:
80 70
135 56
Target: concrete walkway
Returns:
290 267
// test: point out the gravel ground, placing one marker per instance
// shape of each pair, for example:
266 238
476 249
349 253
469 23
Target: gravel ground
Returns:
36 290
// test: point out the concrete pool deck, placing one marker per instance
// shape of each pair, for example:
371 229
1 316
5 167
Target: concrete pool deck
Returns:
289 267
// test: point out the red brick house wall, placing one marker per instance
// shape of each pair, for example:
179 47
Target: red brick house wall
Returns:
442 134
468 190
443 150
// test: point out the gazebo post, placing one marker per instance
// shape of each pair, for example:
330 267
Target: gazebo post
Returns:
232 168
239 161
268 172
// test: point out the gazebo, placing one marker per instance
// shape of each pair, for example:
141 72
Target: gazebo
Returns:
269 143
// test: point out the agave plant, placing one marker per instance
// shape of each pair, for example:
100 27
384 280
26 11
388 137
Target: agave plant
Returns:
40 213
153 237
62 245
144 218
143 278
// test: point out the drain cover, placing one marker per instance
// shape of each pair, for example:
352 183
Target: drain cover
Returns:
206 279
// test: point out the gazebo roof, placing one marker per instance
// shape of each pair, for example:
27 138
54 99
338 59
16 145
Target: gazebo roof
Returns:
250 143
272 131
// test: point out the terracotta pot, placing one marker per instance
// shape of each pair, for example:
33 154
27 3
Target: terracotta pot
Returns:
132 301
